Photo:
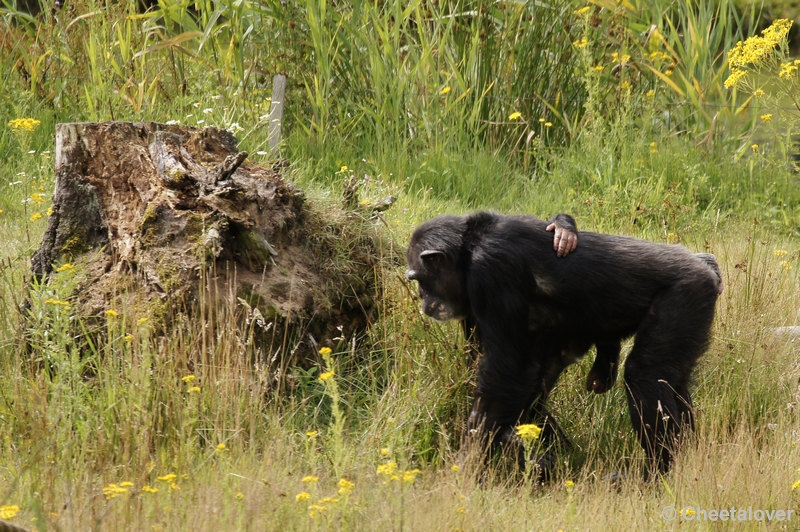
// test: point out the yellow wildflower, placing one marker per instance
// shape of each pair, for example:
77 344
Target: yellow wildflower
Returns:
625 85
142 321
221 447
444 91
326 376
49 210
409 476
9 511
528 432
65 267
312 433
194 389
786 265
515 115
326 351
56 302
167 478
583 43
113 491
455 468
345 486
111 313
767 117
188 378
149 489
342 170
599 68
316 508
302 496
758 93
128 338
387 469
174 486
125 484
310 479
754 147
385 451
35 216
794 486
582 10
736 75
787 70
650 94
689 512
780 252
668 72
24 124
461 509
755 48
37 198
239 496
542 120
548 124
329 500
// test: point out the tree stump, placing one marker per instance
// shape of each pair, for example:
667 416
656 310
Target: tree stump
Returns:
158 217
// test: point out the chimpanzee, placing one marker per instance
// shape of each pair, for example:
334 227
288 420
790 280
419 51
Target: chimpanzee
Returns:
534 313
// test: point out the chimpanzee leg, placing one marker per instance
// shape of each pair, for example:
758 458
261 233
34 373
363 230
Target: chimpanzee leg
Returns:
509 393
604 371
670 340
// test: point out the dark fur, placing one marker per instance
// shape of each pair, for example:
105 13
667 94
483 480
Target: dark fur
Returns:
534 314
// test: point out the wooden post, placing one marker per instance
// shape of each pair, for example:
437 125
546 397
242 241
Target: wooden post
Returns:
276 112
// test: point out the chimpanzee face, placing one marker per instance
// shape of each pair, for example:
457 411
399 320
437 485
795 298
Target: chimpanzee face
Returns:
441 285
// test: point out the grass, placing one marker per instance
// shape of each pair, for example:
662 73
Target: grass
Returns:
79 422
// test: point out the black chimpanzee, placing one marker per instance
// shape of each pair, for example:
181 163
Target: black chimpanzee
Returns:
534 314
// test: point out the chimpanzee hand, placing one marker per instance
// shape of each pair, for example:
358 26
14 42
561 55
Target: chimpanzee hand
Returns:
565 239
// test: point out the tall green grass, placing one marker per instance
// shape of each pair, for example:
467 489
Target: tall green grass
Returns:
367 90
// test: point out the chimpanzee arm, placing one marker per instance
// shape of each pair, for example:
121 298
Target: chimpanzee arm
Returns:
565 239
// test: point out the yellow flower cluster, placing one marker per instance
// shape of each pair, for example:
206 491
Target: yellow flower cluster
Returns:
755 48
9 511
736 75
56 302
113 490
345 486
326 376
766 117
528 432
583 43
392 473
582 11
788 69
781 252
24 124
621 59
658 56
65 267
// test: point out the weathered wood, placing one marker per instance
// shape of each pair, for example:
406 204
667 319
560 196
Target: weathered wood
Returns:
147 211
276 111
